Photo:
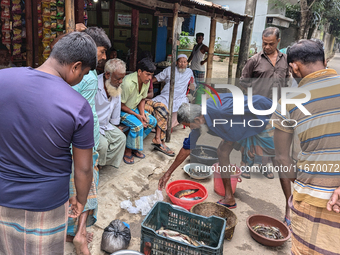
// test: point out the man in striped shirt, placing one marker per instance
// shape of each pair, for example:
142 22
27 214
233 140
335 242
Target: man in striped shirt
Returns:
316 198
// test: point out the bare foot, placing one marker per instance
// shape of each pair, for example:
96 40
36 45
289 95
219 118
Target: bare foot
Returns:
156 141
80 242
89 238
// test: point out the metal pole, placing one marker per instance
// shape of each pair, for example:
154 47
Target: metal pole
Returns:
173 68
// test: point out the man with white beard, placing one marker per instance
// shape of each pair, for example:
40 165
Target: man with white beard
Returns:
183 76
108 106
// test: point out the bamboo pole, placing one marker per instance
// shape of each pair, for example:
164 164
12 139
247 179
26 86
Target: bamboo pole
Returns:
134 39
211 48
173 69
69 14
247 30
232 52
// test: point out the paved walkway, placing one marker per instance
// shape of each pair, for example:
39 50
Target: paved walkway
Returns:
334 63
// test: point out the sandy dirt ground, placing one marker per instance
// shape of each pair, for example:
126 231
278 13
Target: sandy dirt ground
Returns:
258 195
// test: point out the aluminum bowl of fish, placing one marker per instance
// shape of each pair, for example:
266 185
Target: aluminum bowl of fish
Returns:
198 171
268 230
186 193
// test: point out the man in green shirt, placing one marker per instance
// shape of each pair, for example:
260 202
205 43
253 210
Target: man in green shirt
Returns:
135 88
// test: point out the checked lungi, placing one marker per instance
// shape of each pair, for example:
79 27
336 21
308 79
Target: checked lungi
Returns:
33 233
199 76
258 148
315 230
160 112
91 203
137 132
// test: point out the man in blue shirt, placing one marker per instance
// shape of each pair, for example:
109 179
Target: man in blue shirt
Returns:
190 115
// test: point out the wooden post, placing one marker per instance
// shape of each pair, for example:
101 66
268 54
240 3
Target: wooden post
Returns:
69 14
35 32
173 69
112 15
134 39
79 14
231 53
247 31
29 33
211 48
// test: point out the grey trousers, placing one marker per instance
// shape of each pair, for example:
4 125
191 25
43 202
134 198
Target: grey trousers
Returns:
111 148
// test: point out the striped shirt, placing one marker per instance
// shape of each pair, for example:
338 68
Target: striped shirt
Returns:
318 166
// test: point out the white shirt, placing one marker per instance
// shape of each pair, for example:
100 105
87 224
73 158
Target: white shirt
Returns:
196 60
108 109
181 87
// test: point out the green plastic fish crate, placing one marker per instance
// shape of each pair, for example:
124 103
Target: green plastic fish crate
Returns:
210 230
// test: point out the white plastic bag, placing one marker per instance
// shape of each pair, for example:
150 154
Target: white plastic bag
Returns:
144 204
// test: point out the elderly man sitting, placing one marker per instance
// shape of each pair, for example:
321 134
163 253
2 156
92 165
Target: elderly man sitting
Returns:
135 88
183 76
108 105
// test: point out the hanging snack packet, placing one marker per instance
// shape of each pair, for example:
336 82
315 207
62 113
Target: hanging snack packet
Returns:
53 11
17 38
5 13
16 7
53 23
46 52
6 37
6 25
17 21
60 23
46 22
53 35
5 3
16 49
40 32
46 9
60 11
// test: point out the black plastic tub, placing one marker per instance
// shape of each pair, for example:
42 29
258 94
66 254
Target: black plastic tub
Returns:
210 158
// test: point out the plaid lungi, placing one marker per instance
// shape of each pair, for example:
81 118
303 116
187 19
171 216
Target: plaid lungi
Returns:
256 149
315 230
91 203
33 233
160 112
199 76
137 132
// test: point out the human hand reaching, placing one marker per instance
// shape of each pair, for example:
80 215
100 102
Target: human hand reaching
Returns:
76 208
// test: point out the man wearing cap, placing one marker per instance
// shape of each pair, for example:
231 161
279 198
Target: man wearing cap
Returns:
183 76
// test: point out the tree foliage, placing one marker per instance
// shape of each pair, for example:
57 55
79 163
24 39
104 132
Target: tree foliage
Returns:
319 14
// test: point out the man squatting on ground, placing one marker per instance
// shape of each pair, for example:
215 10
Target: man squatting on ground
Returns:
76 230
112 140
44 116
244 137
315 203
